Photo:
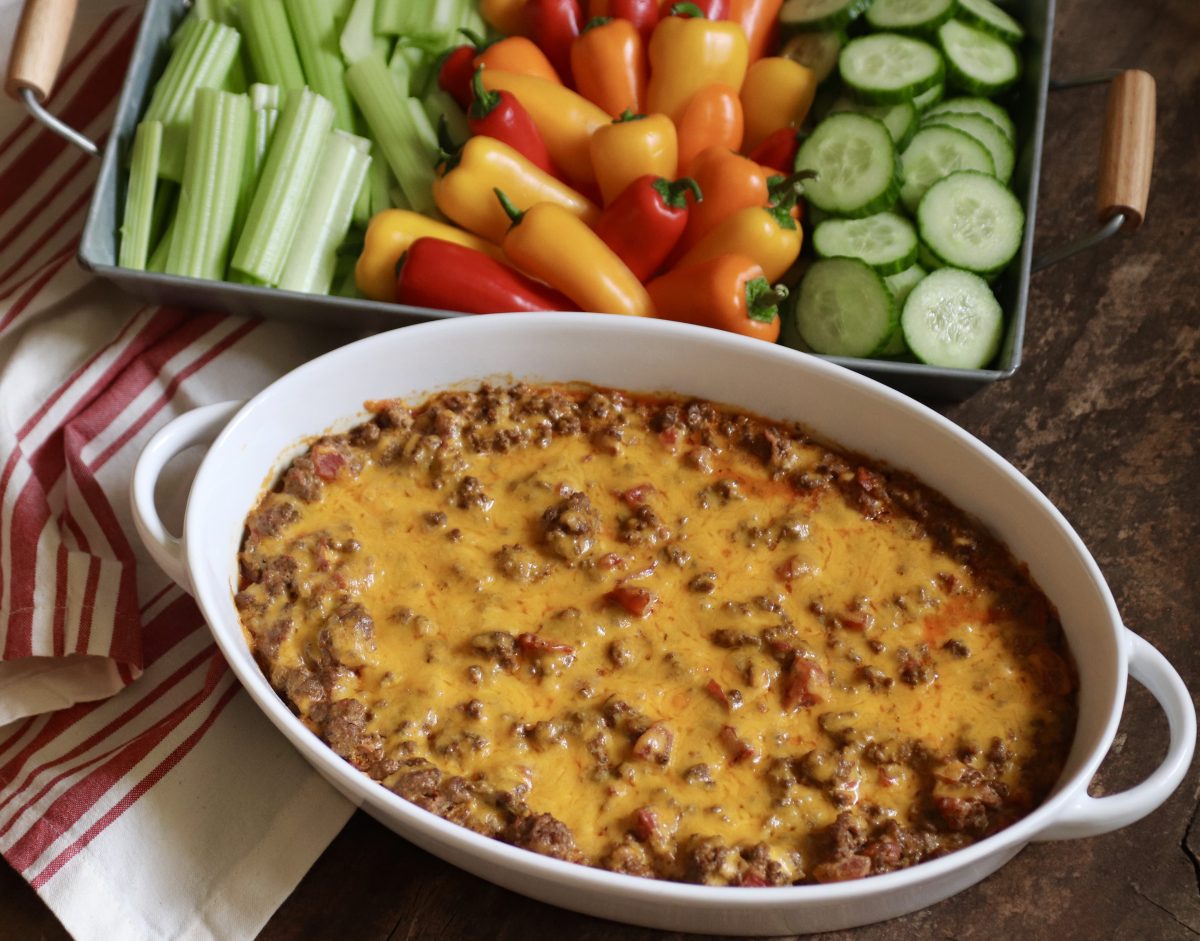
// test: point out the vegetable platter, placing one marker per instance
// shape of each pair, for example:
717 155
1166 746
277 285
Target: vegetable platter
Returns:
335 150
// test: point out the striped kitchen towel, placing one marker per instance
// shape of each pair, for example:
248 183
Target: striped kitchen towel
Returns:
141 792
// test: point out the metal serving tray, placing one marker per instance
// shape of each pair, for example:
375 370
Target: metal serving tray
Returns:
98 246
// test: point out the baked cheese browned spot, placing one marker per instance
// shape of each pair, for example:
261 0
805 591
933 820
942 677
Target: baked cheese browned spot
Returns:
656 635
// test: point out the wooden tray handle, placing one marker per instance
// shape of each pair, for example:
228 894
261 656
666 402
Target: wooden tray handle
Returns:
1127 151
38 49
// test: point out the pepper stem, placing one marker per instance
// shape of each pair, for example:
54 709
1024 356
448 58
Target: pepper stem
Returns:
510 210
762 300
686 9
778 187
674 195
485 102
475 39
595 22
627 115
449 153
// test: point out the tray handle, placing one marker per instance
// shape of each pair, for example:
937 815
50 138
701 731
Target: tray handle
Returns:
37 55
1126 157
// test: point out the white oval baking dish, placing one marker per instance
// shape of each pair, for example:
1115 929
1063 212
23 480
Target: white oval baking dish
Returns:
255 440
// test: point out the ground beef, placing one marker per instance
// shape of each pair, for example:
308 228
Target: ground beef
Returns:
569 526
543 834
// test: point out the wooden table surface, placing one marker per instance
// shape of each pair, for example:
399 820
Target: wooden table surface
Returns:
1102 418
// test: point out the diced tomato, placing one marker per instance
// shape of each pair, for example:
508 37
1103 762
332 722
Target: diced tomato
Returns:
807 684
739 748
715 691
609 561
637 601
645 824
531 643
752 880
327 463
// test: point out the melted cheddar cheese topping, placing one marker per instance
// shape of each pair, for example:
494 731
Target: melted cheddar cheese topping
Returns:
656 635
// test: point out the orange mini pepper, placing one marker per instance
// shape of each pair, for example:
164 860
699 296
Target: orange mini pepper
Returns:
713 118
759 20
518 55
729 182
687 53
566 119
633 146
389 235
729 292
464 189
609 65
551 244
768 234
777 92
505 16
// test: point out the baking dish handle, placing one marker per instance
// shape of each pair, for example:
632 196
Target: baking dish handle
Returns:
199 426
37 53
1091 816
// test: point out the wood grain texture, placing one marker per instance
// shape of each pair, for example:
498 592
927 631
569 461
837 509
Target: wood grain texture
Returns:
1102 417
1127 151
38 49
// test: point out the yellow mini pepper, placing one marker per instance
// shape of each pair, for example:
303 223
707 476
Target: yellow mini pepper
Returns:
506 16
566 119
554 246
633 146
389 235
465 188
777 93
687 53
768 234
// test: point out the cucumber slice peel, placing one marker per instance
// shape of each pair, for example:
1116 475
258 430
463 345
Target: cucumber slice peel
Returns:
855 165
976 61
990 18
952 319
843 308
885 241
934 153
929 97
886 67
983 130
910 16
821 15
901 286
900 119
984 106
972 221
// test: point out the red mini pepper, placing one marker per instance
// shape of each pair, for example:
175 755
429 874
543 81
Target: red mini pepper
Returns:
778 150
499 115
430 274
458 65
555 25
643 224
643 14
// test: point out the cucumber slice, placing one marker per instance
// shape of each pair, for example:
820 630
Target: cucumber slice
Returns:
855 165
977 62
820 15
910 16
984 106
885 241
992 137
929 97
815 51
843 308
936 152
927 259
971 220
900 119
901 286
886 67
952 319
988 17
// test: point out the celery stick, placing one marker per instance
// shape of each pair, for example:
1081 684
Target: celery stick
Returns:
381 181
236 80
287 175
216 156
397 198
391 120
202 60
440 103
413 65
158 261
400 17
326 216
264 96
421 126
166 195
358 38
315 26
262 129
183 29
272 48
139 201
